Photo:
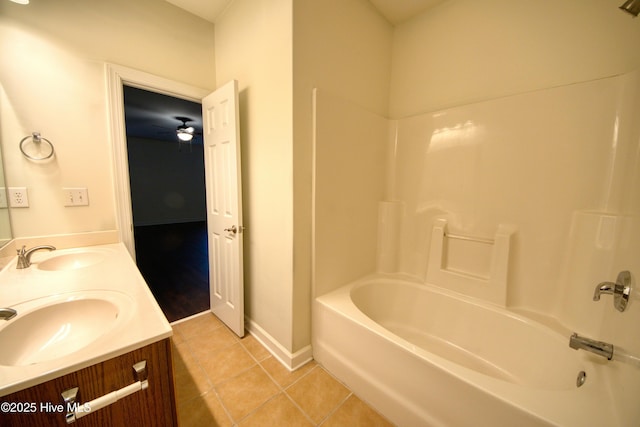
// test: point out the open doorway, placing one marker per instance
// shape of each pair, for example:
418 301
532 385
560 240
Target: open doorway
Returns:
167 185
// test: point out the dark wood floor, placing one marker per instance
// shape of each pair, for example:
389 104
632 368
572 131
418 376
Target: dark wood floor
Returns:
173 260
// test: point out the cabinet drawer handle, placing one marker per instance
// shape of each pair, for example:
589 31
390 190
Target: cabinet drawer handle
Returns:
76 410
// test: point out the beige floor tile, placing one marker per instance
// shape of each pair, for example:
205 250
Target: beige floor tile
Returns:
277 412
246 392
177 337
318 394
282 375
227 363
203 411
190 384
189 379
197 325
217 381
254 347
183 358
205 344
355 413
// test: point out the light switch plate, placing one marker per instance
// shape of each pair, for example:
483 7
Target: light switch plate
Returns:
75 196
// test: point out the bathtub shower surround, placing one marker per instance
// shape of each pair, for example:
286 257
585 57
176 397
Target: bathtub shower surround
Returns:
501 217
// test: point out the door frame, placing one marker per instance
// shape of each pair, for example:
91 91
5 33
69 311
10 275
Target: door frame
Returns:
116 77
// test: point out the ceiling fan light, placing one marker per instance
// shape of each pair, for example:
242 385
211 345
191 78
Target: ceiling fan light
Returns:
185 136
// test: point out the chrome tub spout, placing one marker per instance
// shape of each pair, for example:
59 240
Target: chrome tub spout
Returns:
597 347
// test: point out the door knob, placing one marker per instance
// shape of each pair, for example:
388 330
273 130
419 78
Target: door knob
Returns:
233 229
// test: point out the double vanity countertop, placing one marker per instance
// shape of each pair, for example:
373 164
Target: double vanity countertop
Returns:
75 308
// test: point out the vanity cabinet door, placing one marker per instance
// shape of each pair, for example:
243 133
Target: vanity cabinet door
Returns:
154 406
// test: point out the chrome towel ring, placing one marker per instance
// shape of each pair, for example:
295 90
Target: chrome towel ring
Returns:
40 153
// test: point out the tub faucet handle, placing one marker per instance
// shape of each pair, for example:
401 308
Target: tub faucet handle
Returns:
621 290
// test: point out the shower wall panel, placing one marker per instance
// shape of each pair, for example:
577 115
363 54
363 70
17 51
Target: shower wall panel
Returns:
531 161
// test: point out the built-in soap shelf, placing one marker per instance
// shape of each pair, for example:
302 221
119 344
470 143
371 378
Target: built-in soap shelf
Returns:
474 266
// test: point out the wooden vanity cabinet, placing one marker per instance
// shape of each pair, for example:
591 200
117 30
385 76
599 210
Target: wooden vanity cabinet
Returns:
154 406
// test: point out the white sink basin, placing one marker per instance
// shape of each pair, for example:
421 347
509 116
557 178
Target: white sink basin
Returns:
71 261
52 327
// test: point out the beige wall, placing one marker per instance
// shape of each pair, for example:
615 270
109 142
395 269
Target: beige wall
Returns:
342 47
465 51
279 50
254 46
52 75
350 159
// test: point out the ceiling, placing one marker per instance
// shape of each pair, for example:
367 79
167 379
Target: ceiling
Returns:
153 116
208 10
396 11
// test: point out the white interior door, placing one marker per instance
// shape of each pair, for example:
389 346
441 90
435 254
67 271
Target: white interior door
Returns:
221 134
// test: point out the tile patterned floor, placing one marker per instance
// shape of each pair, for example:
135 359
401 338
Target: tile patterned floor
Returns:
222 380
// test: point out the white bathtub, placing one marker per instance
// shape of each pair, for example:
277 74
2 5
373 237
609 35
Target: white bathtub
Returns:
427 357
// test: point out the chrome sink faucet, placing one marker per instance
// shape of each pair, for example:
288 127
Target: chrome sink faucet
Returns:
621 290
597 347
24 255
7 313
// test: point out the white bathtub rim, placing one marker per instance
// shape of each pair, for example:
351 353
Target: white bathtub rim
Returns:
518 314
552 330
514 394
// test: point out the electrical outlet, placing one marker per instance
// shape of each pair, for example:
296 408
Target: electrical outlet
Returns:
18 197
75 196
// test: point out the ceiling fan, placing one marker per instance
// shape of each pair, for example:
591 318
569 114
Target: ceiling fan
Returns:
185 133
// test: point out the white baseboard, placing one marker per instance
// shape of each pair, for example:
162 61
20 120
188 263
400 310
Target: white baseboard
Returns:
291 361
